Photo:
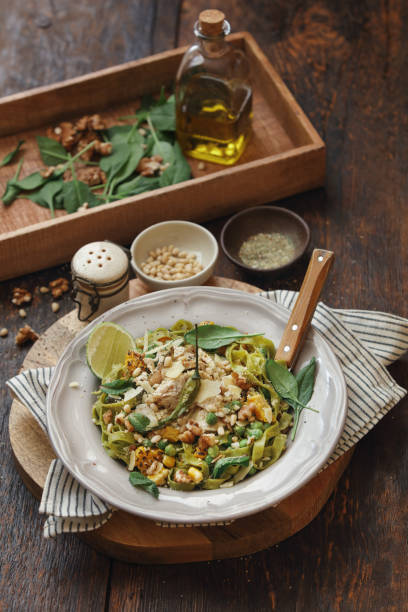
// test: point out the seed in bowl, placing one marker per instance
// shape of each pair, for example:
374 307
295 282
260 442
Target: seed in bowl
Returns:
170 263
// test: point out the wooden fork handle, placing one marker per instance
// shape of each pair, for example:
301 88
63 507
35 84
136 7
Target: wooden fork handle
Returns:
302 313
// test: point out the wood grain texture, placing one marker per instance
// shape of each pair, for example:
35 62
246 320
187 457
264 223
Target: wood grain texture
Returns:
346 63
134 539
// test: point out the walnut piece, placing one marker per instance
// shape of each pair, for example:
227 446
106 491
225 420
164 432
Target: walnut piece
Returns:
26 334
58 287
91 175
76 136
148 166
21 296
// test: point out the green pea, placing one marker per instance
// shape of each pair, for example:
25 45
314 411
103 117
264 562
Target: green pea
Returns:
211 418
239 431
256 424
213 451
243 443
147 442
170 450
208 459
162 444
257 433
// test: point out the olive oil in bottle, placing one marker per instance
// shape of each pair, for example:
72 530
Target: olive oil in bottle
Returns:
213 95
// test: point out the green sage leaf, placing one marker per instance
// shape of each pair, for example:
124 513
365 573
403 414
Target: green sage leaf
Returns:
211 337
283 381
305 380
139 480
10 156
139 421
225 462
51 151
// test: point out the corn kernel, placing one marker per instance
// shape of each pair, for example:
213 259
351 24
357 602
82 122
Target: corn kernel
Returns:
169 461
160 477
195 474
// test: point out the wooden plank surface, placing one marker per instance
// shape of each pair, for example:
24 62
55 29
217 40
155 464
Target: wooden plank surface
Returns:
346 64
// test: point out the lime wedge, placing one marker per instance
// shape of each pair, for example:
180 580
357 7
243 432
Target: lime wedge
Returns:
107 345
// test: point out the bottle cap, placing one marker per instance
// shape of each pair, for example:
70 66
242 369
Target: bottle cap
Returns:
100 262
211 22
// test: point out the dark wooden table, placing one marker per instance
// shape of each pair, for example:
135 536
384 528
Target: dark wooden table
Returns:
346 62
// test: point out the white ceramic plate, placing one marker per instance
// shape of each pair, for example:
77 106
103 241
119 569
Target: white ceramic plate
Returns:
77 440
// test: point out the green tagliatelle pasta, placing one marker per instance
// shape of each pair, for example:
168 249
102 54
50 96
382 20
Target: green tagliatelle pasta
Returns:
189 431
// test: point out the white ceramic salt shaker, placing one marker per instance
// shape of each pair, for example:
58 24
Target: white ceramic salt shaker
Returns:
100 278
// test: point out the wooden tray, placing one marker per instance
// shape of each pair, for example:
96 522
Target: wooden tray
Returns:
285 156
129 538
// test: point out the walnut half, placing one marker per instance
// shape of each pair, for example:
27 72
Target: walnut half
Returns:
26 334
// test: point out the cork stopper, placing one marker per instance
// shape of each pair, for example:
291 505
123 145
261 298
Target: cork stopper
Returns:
211 22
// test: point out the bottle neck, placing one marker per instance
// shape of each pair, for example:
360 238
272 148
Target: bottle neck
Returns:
213 46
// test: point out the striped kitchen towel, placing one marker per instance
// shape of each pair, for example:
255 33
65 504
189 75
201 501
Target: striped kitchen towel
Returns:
364 342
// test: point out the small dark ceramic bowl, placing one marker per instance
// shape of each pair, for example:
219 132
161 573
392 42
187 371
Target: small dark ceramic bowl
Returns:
265 219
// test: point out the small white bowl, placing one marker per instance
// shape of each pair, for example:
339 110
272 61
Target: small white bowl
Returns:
184 235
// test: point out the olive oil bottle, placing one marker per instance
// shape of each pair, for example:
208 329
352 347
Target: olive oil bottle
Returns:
213 94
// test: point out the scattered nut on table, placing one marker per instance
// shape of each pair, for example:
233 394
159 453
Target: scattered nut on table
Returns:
26 334
58 287
55 307
3 332
44 290
21 296
22 313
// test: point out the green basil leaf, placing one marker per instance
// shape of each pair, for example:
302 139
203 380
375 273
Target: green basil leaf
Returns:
75 194
129 168
305 380
45 195
51 151
11 193
163 116
10 156
283 381
113 163
178 171
139 421
211 337
139 480
225 462
119 134
165 150
32 181
139 184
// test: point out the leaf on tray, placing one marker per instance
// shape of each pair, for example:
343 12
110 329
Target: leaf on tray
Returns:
76 193
52 152
10 156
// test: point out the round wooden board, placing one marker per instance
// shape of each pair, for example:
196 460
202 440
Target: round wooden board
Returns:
130 538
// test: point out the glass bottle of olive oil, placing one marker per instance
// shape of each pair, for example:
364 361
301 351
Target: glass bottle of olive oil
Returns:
213 94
